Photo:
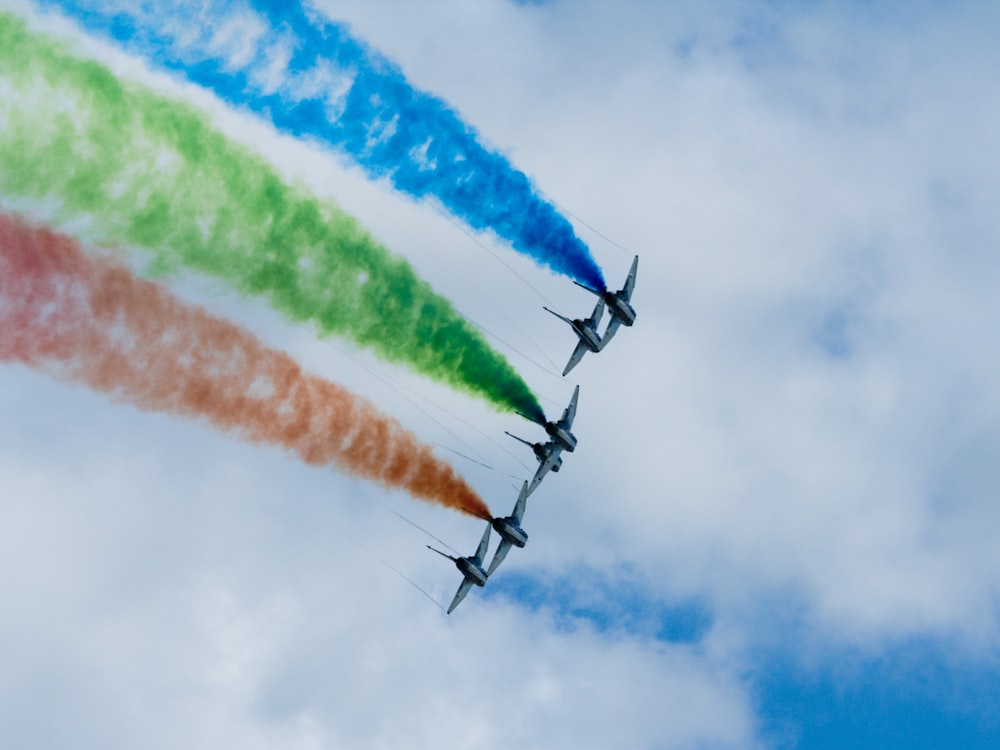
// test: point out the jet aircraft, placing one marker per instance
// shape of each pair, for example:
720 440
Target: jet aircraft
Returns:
509 528
560 431
586 331
471 568
619 304
548 459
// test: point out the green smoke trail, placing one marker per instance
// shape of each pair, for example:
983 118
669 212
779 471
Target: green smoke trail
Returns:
140 169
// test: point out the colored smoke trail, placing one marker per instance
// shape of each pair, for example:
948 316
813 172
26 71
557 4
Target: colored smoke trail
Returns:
90 321
135 168
310 77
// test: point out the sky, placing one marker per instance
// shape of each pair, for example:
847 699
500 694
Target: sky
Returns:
779 528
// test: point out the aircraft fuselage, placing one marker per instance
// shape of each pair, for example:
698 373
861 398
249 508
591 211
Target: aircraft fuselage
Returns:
587 335
542 453
471 571
510 531
565 438
621 309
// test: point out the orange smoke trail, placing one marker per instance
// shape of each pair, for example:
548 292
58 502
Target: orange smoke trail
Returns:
88 320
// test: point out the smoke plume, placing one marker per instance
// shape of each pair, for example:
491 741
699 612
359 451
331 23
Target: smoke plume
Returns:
125 166
88 320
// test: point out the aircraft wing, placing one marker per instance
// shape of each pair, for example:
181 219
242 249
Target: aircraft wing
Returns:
561 317
570 414
575 357
613 325
498 556
481 549
536 480
522 501
463 589
521 440
595 317
543 469
630 281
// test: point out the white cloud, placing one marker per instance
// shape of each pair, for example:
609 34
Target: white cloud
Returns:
775 171
168 586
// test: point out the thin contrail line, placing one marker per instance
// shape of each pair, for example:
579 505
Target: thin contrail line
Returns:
395 570
593 229
418 527
496 257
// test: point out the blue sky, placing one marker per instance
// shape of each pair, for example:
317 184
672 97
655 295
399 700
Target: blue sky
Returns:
924 693
916 695
779 528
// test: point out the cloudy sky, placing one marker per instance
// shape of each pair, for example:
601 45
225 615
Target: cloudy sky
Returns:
779 529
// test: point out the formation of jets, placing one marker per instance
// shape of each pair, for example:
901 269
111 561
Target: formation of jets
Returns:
561 437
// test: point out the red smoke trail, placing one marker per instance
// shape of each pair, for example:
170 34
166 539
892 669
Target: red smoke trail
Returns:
88 320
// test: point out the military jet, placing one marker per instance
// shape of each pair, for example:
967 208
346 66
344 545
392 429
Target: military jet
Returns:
560 431
586 331
471 568
548 459
509 528
619 304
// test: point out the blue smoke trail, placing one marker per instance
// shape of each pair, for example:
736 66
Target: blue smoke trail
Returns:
312 79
